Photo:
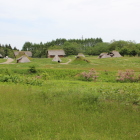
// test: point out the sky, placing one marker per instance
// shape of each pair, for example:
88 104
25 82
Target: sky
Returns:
46 20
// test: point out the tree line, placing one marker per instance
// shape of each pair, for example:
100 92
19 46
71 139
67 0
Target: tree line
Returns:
89 46
7 50
70 46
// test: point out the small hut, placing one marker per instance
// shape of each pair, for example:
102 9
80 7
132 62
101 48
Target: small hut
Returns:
111 54
56 59
23 59
53 53
104 55
116 54
81 54
1 56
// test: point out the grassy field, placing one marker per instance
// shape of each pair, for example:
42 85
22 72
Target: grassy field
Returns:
110 64
53 104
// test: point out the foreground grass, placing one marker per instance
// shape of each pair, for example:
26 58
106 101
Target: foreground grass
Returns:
63 108
70 110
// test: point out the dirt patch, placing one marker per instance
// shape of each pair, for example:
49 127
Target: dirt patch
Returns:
66 62
9 60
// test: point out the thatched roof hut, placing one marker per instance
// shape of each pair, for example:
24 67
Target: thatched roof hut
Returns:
1 56
81 54
116 54
28 53
23 59
104 55
16 53
56 59
111 54
53 53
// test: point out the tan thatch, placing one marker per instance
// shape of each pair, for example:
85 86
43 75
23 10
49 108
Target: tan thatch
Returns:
112 54
104 55
1 56
23 59
28 53
16 53
56 59
116 54
81 54
52 53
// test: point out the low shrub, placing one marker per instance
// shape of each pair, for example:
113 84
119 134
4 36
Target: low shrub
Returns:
91 75
127 76
32 69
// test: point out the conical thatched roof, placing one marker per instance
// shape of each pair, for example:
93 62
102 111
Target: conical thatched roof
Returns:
111 54
81 54
116 54
23 59
56 58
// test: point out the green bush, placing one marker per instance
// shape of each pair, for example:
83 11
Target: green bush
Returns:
32 69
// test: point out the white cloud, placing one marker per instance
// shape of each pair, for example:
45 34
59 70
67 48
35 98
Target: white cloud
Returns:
44 20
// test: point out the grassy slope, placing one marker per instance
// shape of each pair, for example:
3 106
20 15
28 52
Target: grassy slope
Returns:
72 110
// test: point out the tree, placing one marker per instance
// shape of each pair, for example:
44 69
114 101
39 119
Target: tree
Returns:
71 48
27 46
117 44
100 48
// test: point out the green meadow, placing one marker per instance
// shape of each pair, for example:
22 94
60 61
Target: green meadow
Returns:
45 100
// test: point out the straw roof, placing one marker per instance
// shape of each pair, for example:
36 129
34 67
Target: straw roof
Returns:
56 58
116 54
81 54
16 52
23 59
56 52
112 54
28 53
104 55
1 55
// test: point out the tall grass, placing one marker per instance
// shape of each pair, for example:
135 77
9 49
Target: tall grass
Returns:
53 104
70 110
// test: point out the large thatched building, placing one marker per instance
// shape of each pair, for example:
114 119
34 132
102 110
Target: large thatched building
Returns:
28 53
53 53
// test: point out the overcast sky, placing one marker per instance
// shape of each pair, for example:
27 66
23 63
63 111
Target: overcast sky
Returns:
46 20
